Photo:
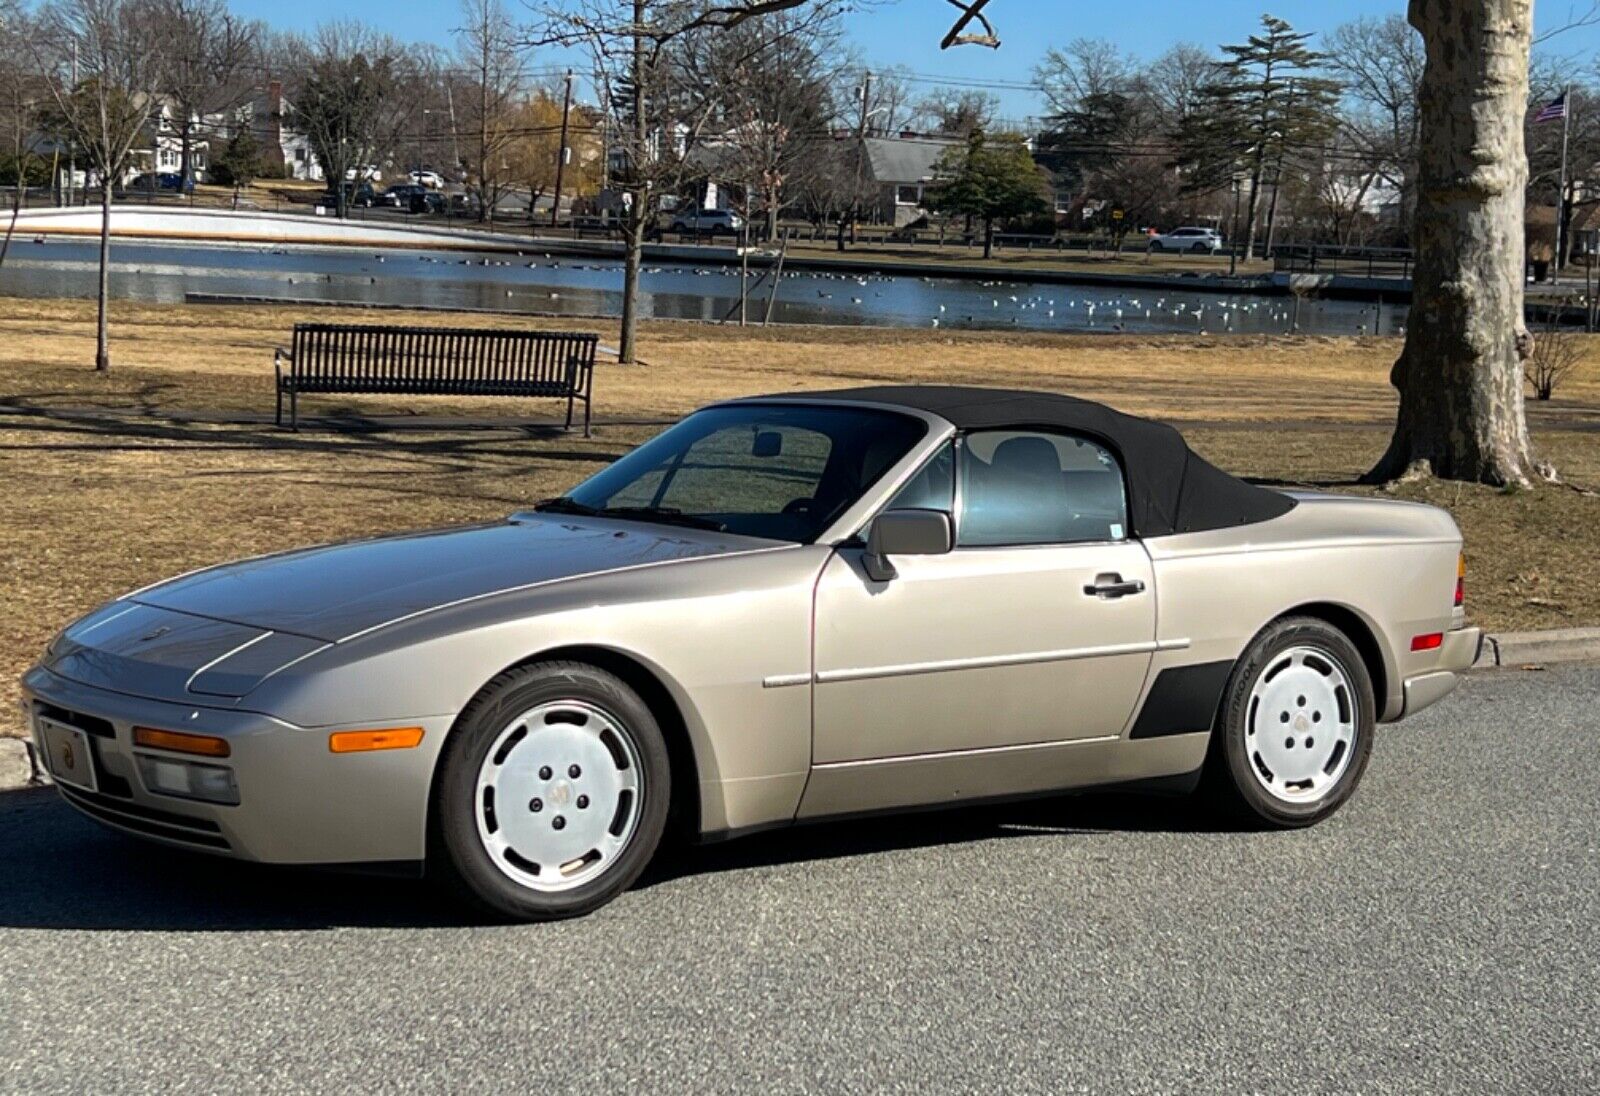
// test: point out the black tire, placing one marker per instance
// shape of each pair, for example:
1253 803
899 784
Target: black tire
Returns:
1231 777
1157 246
462 862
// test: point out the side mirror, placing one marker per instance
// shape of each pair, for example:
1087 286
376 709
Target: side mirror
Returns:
905 533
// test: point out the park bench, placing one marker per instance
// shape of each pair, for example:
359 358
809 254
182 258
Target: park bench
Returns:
435 361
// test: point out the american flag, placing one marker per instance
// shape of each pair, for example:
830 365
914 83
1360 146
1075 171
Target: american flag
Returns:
1553 111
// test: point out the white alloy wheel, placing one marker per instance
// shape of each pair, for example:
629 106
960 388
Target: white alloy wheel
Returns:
559 795
1301 725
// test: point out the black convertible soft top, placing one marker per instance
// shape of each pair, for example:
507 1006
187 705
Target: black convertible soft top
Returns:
1170 488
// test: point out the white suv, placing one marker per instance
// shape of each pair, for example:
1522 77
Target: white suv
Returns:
713 221
1208 240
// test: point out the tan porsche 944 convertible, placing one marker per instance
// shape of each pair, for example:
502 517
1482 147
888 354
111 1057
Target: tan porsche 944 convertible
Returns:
781 609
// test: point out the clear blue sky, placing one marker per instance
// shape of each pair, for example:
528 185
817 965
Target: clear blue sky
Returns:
907 32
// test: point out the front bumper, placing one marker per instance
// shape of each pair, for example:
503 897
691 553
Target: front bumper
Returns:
298 802
1456 656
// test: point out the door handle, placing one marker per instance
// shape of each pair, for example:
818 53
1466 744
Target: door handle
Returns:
1110 586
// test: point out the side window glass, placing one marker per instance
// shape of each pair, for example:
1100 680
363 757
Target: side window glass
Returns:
934 487
1024 487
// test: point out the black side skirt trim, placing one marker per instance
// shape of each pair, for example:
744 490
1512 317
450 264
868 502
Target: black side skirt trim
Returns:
1183 700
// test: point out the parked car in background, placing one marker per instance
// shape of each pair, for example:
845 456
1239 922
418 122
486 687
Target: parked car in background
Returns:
356 195
431 179
369 174
164 180
713 222
1190 239
401 195
465 204
424 200
780 610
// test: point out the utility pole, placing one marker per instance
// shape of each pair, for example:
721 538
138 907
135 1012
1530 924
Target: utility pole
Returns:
72 141
861 155
1561 191
565 153
1233 229
455 139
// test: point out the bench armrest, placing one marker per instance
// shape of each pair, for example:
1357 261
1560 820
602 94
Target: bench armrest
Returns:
279 354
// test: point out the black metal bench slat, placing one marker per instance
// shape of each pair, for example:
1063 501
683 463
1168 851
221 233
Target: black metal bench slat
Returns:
350 358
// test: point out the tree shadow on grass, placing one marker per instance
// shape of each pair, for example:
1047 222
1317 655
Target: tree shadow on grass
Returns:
444 449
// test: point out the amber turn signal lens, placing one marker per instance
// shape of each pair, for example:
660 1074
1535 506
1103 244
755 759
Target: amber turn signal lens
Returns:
203 744
395 738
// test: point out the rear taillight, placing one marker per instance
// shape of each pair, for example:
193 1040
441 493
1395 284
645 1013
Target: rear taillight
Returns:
1461 579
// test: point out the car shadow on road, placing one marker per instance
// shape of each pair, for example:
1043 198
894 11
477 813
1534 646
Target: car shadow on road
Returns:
59 870
1064 816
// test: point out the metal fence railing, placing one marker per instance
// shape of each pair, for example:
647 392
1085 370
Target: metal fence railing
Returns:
1357 262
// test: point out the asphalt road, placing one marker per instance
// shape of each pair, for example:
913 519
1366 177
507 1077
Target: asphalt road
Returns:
1439 935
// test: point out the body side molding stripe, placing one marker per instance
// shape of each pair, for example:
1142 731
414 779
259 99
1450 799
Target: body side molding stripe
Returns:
827 677
979 751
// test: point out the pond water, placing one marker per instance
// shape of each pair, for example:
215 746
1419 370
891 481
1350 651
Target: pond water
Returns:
537 282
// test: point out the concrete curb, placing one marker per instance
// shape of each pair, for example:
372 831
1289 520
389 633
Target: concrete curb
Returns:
1537 648
19 768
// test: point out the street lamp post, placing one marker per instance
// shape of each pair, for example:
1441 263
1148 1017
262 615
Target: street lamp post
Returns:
1233 228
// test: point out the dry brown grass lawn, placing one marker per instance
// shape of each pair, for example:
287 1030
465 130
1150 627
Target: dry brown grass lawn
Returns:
103 504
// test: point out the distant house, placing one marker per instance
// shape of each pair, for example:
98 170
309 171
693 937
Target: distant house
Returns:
902 172
160 148
265 116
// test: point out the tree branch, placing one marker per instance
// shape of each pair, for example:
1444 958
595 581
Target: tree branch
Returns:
970 10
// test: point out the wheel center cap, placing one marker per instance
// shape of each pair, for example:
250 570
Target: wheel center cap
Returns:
1301 723
561 793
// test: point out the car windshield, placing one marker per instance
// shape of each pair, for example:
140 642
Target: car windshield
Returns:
776 471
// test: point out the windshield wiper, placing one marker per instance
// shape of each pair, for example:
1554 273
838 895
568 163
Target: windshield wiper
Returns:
665 515
563 505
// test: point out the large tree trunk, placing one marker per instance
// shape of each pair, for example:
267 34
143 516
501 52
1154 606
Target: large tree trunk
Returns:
1460 373
102 350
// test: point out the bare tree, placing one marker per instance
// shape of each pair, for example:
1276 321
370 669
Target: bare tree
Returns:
653 121
1557 354
878 102
210 72
349 99
121 67
772 81
490 51
1380 63
19 92
655 118
959 112
1083 70
1173 81
1460 375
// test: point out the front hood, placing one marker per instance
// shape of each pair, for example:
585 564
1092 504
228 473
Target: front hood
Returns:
332 593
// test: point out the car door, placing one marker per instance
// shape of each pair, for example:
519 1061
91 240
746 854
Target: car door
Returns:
1037 628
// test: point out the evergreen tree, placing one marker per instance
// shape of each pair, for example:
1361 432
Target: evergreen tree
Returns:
1264 102
991 179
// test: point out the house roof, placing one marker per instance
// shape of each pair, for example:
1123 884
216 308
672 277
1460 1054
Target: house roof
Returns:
905 159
